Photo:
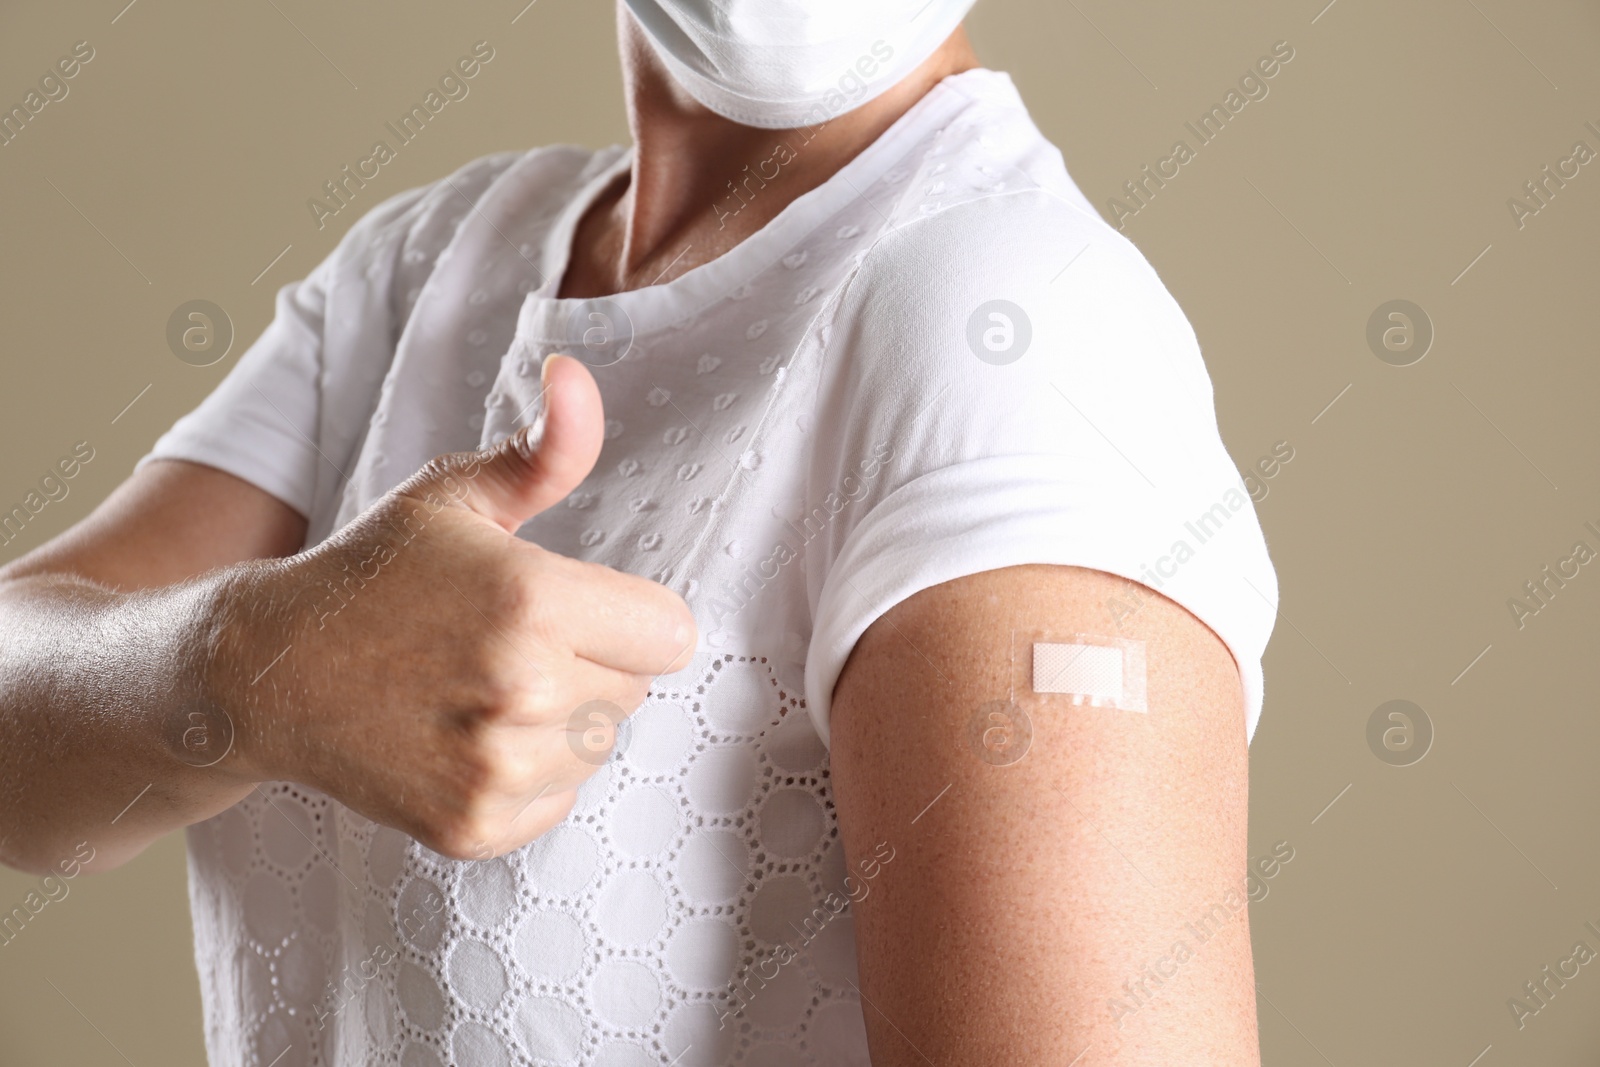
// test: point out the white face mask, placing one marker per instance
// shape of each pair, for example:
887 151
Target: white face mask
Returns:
786 63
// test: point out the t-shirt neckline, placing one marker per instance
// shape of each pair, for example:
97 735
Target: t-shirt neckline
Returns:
544 317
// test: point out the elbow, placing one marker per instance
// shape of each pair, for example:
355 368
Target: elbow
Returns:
23 862
61 860
53 886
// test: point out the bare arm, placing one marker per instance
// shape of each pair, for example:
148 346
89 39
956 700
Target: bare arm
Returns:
107 629
1024 913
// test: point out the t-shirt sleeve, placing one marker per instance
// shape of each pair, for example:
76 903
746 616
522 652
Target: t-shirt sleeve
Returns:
1008 382
261 422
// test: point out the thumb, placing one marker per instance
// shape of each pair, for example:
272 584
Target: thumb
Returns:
540 464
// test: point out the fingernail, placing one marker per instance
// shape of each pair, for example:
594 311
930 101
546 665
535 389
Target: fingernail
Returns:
544 370
529 437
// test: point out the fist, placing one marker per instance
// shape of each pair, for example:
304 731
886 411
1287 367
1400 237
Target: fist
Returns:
438 674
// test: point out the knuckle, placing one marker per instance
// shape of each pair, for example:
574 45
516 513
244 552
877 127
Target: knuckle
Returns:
521 600
431 474
464 828
443 479
549 813
509 673
635 690
674 620
436 467
446 829
591 731
461 838
477 774
521 586
504 686
561 806
537 695
514 685
500 705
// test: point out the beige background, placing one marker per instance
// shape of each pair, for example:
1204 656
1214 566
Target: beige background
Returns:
1378 167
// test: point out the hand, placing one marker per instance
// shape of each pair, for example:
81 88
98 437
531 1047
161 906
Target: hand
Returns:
438 668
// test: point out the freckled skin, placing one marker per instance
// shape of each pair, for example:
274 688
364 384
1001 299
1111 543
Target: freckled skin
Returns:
1021 901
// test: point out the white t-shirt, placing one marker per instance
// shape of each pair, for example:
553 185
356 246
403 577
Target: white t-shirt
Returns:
800 434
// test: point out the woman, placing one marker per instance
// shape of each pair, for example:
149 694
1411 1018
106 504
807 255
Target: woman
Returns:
940 756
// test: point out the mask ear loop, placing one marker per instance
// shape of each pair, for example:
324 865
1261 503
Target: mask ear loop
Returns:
1081 669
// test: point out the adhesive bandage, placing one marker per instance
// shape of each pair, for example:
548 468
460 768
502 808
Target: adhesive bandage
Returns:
1102 672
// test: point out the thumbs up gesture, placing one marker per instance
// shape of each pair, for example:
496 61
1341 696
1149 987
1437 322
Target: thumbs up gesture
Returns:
438 674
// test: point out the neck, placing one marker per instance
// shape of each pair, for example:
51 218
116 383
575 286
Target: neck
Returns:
700 183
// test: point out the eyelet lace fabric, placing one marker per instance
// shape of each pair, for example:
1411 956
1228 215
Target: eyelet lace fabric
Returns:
642 930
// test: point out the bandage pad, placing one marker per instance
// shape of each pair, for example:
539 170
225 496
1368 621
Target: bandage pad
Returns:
1083 669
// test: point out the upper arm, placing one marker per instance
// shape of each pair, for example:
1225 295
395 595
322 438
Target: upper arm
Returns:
170 520
1034 909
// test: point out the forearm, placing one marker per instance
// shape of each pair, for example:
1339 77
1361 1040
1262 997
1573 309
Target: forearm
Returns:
108 735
